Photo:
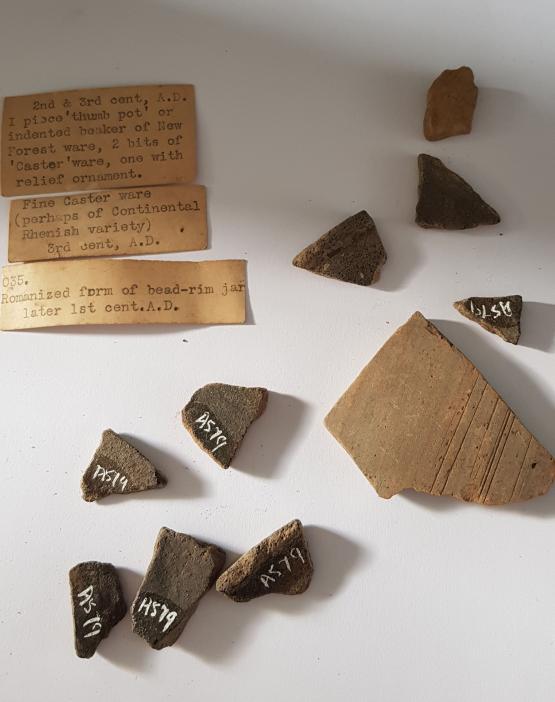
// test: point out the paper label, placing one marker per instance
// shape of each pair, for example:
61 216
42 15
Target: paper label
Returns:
98 138
61 293
109 223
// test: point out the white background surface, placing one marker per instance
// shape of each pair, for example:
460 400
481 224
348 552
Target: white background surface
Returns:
308 112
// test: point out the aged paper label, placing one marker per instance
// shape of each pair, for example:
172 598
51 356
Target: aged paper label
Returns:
98 138
109 223
61 293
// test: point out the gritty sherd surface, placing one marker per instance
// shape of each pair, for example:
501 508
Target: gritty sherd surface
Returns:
499 315
279 564
97 602
117 468
217 416
446 201
450 104
421 416
352 251
181 571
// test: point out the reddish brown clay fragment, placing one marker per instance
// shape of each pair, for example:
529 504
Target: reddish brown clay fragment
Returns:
450 104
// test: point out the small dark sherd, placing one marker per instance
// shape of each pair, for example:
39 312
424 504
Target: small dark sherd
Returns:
218 415
97 602
117 468
446 201
279 564
180 573
352 252
499 315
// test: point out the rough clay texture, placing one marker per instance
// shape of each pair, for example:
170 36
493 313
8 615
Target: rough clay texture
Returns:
118 468
499 315
181 571
446 201
97 602
421 416
227 409
352 251
279 564
450 104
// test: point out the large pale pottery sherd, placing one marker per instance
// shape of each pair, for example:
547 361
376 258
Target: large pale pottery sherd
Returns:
420 415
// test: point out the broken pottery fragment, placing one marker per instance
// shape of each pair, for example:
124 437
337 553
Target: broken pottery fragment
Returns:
352 251
118 468
446 201
499 315
217 416
97 602
450 105
279 564
421 416
180 572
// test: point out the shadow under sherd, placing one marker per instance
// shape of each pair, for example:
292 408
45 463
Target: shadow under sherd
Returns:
220 628
249 313
542 506
432 503
264 447
123 648
538 326
117 330
403 259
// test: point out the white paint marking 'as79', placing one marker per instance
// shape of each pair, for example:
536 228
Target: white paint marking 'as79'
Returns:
149 605
495 310
87 603
268 577
207 424
113 476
